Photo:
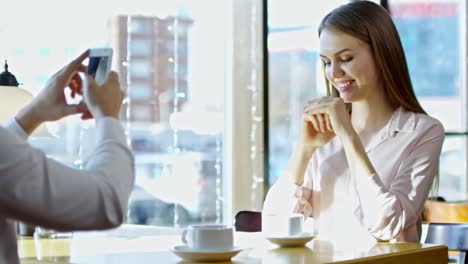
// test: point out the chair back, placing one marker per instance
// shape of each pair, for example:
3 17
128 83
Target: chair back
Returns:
248 221
445 212
453 235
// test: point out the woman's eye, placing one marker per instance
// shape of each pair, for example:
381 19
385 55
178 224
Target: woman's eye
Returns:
326 63
347 59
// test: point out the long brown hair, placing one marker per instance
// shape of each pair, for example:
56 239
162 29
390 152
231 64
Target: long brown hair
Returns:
372 24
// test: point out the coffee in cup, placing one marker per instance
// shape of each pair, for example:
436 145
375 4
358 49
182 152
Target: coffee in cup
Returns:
209 237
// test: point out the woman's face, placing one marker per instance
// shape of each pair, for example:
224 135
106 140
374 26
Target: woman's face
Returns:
349 65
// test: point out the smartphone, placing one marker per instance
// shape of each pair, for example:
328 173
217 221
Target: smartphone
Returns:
99 65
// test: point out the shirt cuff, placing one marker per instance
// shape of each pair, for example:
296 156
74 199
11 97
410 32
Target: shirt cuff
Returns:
298 191
110 128
16 129
293 190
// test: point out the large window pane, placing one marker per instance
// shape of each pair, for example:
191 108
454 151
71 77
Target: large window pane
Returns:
432 35
295 74
170 55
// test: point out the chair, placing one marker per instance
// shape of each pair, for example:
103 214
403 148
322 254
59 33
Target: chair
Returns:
453 235
445 212
248 221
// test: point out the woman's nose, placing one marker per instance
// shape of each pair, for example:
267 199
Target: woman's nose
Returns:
336 71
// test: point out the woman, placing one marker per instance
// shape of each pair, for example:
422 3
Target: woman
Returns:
363 170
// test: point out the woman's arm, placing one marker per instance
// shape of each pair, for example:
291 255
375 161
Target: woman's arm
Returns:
283 197
292 193
287 194
360 166
388 211
297 164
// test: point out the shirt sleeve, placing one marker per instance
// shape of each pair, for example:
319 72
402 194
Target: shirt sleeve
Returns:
284 195
42 191
16 129
281 197
388 211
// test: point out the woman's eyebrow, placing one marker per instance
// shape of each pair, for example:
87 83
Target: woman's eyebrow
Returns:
337 53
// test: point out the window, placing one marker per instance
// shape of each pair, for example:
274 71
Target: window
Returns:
140 68
295 74
140 26
433 37
140 47
142 112
140 91
180 163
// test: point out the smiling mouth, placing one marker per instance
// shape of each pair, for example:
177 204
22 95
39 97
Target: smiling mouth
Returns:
344 86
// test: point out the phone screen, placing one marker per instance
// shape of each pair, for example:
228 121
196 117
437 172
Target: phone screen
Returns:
98 67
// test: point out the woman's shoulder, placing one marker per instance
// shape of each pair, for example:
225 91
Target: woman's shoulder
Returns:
427 124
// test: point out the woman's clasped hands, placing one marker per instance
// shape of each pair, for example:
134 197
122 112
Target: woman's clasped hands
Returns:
324 118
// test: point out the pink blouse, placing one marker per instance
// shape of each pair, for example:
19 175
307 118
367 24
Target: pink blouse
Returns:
405 155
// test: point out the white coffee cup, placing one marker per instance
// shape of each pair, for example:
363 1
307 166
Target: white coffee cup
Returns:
276 225
209 237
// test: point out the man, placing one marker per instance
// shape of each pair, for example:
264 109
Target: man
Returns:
41 191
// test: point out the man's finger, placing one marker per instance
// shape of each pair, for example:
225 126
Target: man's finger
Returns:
81 58
77 64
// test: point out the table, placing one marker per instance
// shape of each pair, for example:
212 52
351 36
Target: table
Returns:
139 244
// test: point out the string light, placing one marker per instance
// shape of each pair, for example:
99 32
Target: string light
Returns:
256 119
127 102
219 182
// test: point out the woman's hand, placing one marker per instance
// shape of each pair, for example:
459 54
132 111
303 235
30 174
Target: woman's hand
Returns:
329 115
317 129
303 207
313 137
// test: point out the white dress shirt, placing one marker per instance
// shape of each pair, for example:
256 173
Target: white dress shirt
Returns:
44 192
405 155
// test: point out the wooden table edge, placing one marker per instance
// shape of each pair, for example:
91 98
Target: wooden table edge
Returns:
434 253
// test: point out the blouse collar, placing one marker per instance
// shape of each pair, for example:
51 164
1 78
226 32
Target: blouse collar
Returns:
401 121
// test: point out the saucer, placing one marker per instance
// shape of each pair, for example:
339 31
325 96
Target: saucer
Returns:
292 241
192 255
